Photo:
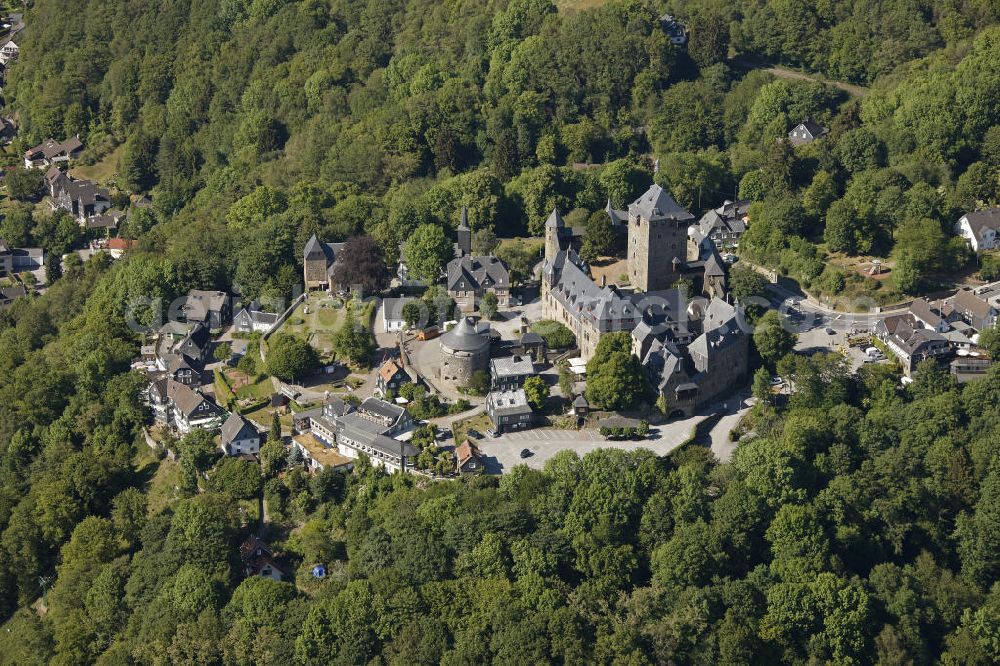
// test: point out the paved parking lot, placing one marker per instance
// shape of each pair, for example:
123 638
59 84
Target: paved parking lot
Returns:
503 454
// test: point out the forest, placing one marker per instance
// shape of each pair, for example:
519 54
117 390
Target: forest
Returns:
859 524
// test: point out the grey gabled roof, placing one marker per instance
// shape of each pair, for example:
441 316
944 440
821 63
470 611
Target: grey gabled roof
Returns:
512 366
382 409
581 296
981 220
392 308
471 273
237 427
657 204
186 399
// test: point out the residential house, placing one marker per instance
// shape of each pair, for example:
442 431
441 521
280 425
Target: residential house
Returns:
391 375
9 50
675 30
469 278
508 373
806 132
181 351
909 341
51 152
106 221
10 294
581 407
116 247
319 260
980 228
724 225
258 560
468 459
184 370
182 407
15 260
509 410
928 316
974 310
392 313
211 308
239 436
83 199
251 320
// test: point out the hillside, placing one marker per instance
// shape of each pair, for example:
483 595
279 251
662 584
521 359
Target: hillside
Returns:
858 523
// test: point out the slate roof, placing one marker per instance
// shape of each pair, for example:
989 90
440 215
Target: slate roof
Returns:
51 148
236 427
618 217
257 317
392 308
656 204
464 337
531 338
186 399
921 309
508 403
555 219
199 304
981 220
512 366
475 272
382 409
966 301
581 296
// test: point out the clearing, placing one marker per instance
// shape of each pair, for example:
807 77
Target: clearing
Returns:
100 171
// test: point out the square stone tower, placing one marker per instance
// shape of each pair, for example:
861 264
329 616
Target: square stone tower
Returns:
657 240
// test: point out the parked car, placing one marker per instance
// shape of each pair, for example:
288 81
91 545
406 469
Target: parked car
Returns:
491 433
829 330
525 453
472 432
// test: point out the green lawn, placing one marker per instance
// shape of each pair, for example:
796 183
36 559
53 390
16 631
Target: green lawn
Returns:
316 319
101 171
480 422
161 490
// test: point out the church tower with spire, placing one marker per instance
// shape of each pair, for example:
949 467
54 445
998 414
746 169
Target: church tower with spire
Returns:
464 234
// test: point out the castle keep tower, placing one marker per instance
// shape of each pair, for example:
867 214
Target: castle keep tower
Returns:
657 240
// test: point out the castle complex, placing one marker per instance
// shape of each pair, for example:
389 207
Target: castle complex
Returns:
694 353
